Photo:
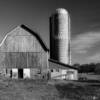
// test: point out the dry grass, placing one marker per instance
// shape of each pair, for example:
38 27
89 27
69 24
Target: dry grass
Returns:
79 91
27 90
41 90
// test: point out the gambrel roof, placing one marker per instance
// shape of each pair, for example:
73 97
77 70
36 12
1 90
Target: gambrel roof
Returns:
24 30
37 36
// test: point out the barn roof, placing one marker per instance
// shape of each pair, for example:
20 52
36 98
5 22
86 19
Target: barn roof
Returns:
61 65
29 31
36 35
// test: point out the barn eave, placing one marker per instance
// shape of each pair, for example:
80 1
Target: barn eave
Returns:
63 66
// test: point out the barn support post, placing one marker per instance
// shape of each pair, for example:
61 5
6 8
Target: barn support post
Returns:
48 75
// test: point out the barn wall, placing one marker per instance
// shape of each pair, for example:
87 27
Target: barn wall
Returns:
21 49
59 71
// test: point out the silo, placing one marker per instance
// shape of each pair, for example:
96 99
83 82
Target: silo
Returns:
60 36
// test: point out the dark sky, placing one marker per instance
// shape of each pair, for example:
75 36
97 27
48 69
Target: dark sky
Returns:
85 23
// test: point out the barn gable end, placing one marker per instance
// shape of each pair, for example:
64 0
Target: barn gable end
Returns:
23 48
22 39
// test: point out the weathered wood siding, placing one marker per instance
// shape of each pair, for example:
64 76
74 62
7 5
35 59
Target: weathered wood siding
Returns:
20 49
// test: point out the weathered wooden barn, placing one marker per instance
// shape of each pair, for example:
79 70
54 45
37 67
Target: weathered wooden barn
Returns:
23 54
22 49
62 71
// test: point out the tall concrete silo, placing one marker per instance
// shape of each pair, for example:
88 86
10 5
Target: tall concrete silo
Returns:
60 36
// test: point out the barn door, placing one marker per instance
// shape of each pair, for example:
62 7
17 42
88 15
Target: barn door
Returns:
14 73
20 73
26 72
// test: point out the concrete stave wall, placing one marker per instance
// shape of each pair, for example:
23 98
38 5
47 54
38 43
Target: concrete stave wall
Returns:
60 36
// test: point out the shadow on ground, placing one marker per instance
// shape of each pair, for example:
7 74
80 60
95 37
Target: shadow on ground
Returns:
73 91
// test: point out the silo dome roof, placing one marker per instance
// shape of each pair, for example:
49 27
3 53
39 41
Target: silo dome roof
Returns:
61 11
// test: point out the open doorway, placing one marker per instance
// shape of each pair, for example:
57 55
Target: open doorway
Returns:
14 73
20 73
26 72
10 73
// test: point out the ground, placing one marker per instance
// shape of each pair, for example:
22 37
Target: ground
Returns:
48 90
84 90
26 90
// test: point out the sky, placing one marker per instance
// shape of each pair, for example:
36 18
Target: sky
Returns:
85 23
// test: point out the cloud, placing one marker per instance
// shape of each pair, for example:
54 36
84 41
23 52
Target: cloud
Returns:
94 58
83 42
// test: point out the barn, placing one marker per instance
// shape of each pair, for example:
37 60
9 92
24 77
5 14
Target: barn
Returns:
63 71
23 54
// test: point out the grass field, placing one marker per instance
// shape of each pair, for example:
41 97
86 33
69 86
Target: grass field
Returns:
52 90
27 90
79 90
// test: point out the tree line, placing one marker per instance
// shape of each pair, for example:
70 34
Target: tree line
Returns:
88 68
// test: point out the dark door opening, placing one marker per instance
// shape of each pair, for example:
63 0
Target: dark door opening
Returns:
11 73
20 73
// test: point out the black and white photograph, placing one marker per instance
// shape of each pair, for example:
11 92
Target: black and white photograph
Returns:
49 50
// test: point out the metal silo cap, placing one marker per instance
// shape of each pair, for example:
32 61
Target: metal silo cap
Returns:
61 11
